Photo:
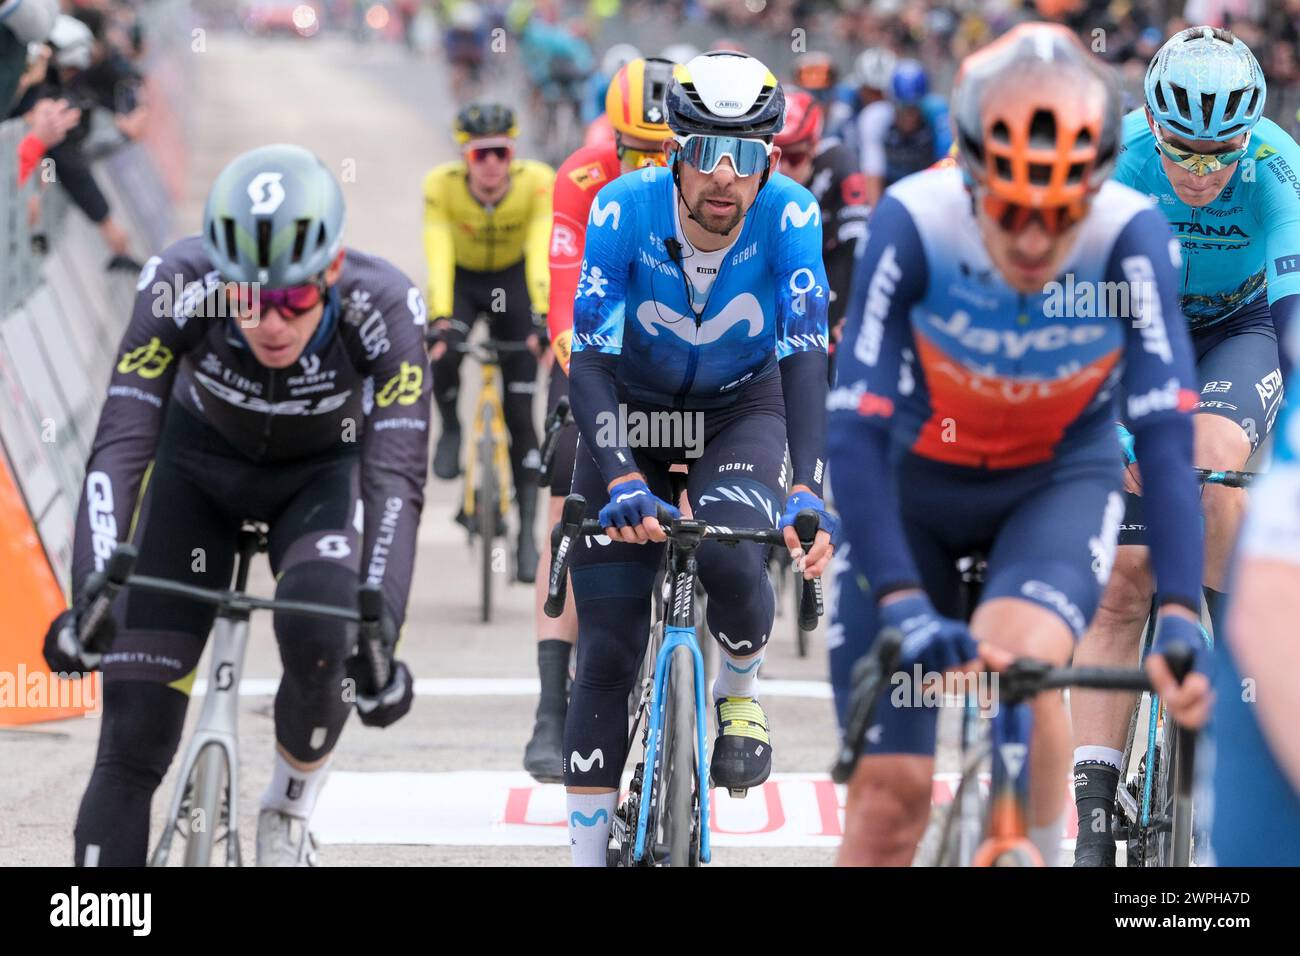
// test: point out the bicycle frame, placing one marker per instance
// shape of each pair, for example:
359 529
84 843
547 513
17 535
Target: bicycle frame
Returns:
489 419
679 631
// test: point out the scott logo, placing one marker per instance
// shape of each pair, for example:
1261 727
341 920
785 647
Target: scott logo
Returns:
266 192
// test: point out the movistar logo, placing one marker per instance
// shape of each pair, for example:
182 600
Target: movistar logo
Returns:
799 218
600 214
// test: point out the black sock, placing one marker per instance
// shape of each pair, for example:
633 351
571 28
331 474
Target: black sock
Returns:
1095 784
553 668
1217 604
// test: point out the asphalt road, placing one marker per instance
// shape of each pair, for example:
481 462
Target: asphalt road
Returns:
443 786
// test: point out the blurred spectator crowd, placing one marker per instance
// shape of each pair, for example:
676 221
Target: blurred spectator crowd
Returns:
71 72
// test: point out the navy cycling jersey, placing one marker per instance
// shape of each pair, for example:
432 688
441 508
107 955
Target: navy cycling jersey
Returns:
765 308
363 378
951 364
1243 244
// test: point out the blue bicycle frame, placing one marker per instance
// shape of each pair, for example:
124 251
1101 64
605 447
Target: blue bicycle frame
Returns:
675 637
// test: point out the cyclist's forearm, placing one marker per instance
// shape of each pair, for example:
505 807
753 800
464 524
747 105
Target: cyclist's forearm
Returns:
803 381
1173 508
593 396
861 473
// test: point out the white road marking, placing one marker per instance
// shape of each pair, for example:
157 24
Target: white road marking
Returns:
514 687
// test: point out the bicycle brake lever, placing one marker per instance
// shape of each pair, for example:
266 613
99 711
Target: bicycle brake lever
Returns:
562 538
810 606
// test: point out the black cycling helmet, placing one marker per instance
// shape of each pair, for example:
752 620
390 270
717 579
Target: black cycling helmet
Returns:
480 120
725 93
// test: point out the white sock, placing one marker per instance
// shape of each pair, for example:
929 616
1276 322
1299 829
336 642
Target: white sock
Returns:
589 815
294 791
1107 755
737 676
1048 840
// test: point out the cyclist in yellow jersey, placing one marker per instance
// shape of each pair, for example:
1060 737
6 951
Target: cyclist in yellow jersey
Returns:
487 223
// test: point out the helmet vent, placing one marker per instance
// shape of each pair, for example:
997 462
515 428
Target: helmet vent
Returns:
1075 175
264 243
1234 100
1000 133
322 237
231 252
1083 140
1040 174
300 240
1180 98
1003 167
1042 130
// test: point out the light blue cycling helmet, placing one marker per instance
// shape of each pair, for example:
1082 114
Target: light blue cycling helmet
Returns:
1204 83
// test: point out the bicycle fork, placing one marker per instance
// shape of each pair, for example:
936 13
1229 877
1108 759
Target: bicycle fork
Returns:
1008 830
198 804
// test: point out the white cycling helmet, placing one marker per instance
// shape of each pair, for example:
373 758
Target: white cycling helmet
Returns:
617 57
72 42
874 68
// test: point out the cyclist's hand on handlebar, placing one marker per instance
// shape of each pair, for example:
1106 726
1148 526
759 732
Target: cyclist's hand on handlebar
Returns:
435 338
818 558
539 339
63 650
935 642
1190 701
1132 476
379 707
632 513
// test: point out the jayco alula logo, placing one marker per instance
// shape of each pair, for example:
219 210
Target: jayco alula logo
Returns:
635 429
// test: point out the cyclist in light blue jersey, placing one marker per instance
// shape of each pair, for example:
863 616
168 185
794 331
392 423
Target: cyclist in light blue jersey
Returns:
1254 758
1229 182
701 300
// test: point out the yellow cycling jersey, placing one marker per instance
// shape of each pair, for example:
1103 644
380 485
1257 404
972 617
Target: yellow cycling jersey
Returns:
460 231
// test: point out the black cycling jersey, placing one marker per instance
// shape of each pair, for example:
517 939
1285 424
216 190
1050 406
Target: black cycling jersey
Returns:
362 379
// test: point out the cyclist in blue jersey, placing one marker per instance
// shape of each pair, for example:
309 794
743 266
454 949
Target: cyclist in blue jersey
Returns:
973 414
701 303
1226 178
905 133
1255 803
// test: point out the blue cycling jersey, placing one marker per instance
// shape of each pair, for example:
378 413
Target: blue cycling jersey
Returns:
643 332
767 302
1242 244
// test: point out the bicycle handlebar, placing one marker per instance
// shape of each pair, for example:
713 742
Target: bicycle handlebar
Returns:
1024 678
555 423
1229 479
368 615
572 526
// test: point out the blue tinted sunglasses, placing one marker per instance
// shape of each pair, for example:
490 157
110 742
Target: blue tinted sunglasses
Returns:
748 156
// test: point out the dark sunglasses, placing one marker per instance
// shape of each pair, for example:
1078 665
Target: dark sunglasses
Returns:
1013 217
479 153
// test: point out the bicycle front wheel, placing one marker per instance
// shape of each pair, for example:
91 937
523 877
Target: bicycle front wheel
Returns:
678 769
209 784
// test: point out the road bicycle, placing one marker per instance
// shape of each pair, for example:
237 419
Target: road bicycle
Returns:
204 807
664 818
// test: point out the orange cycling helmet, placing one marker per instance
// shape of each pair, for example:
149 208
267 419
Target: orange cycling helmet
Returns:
634 101
1037 123
815 71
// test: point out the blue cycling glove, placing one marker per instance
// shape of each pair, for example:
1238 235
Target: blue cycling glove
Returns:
800 500
1173 631
1126 442
929 639
630 502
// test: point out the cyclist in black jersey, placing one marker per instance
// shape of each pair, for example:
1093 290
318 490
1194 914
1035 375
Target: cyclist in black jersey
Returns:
269 374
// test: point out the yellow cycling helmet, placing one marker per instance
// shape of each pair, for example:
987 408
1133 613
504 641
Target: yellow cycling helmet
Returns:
634 101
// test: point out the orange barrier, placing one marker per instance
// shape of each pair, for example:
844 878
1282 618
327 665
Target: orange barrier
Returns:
30 597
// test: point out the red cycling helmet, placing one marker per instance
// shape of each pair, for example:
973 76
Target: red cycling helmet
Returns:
803 119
